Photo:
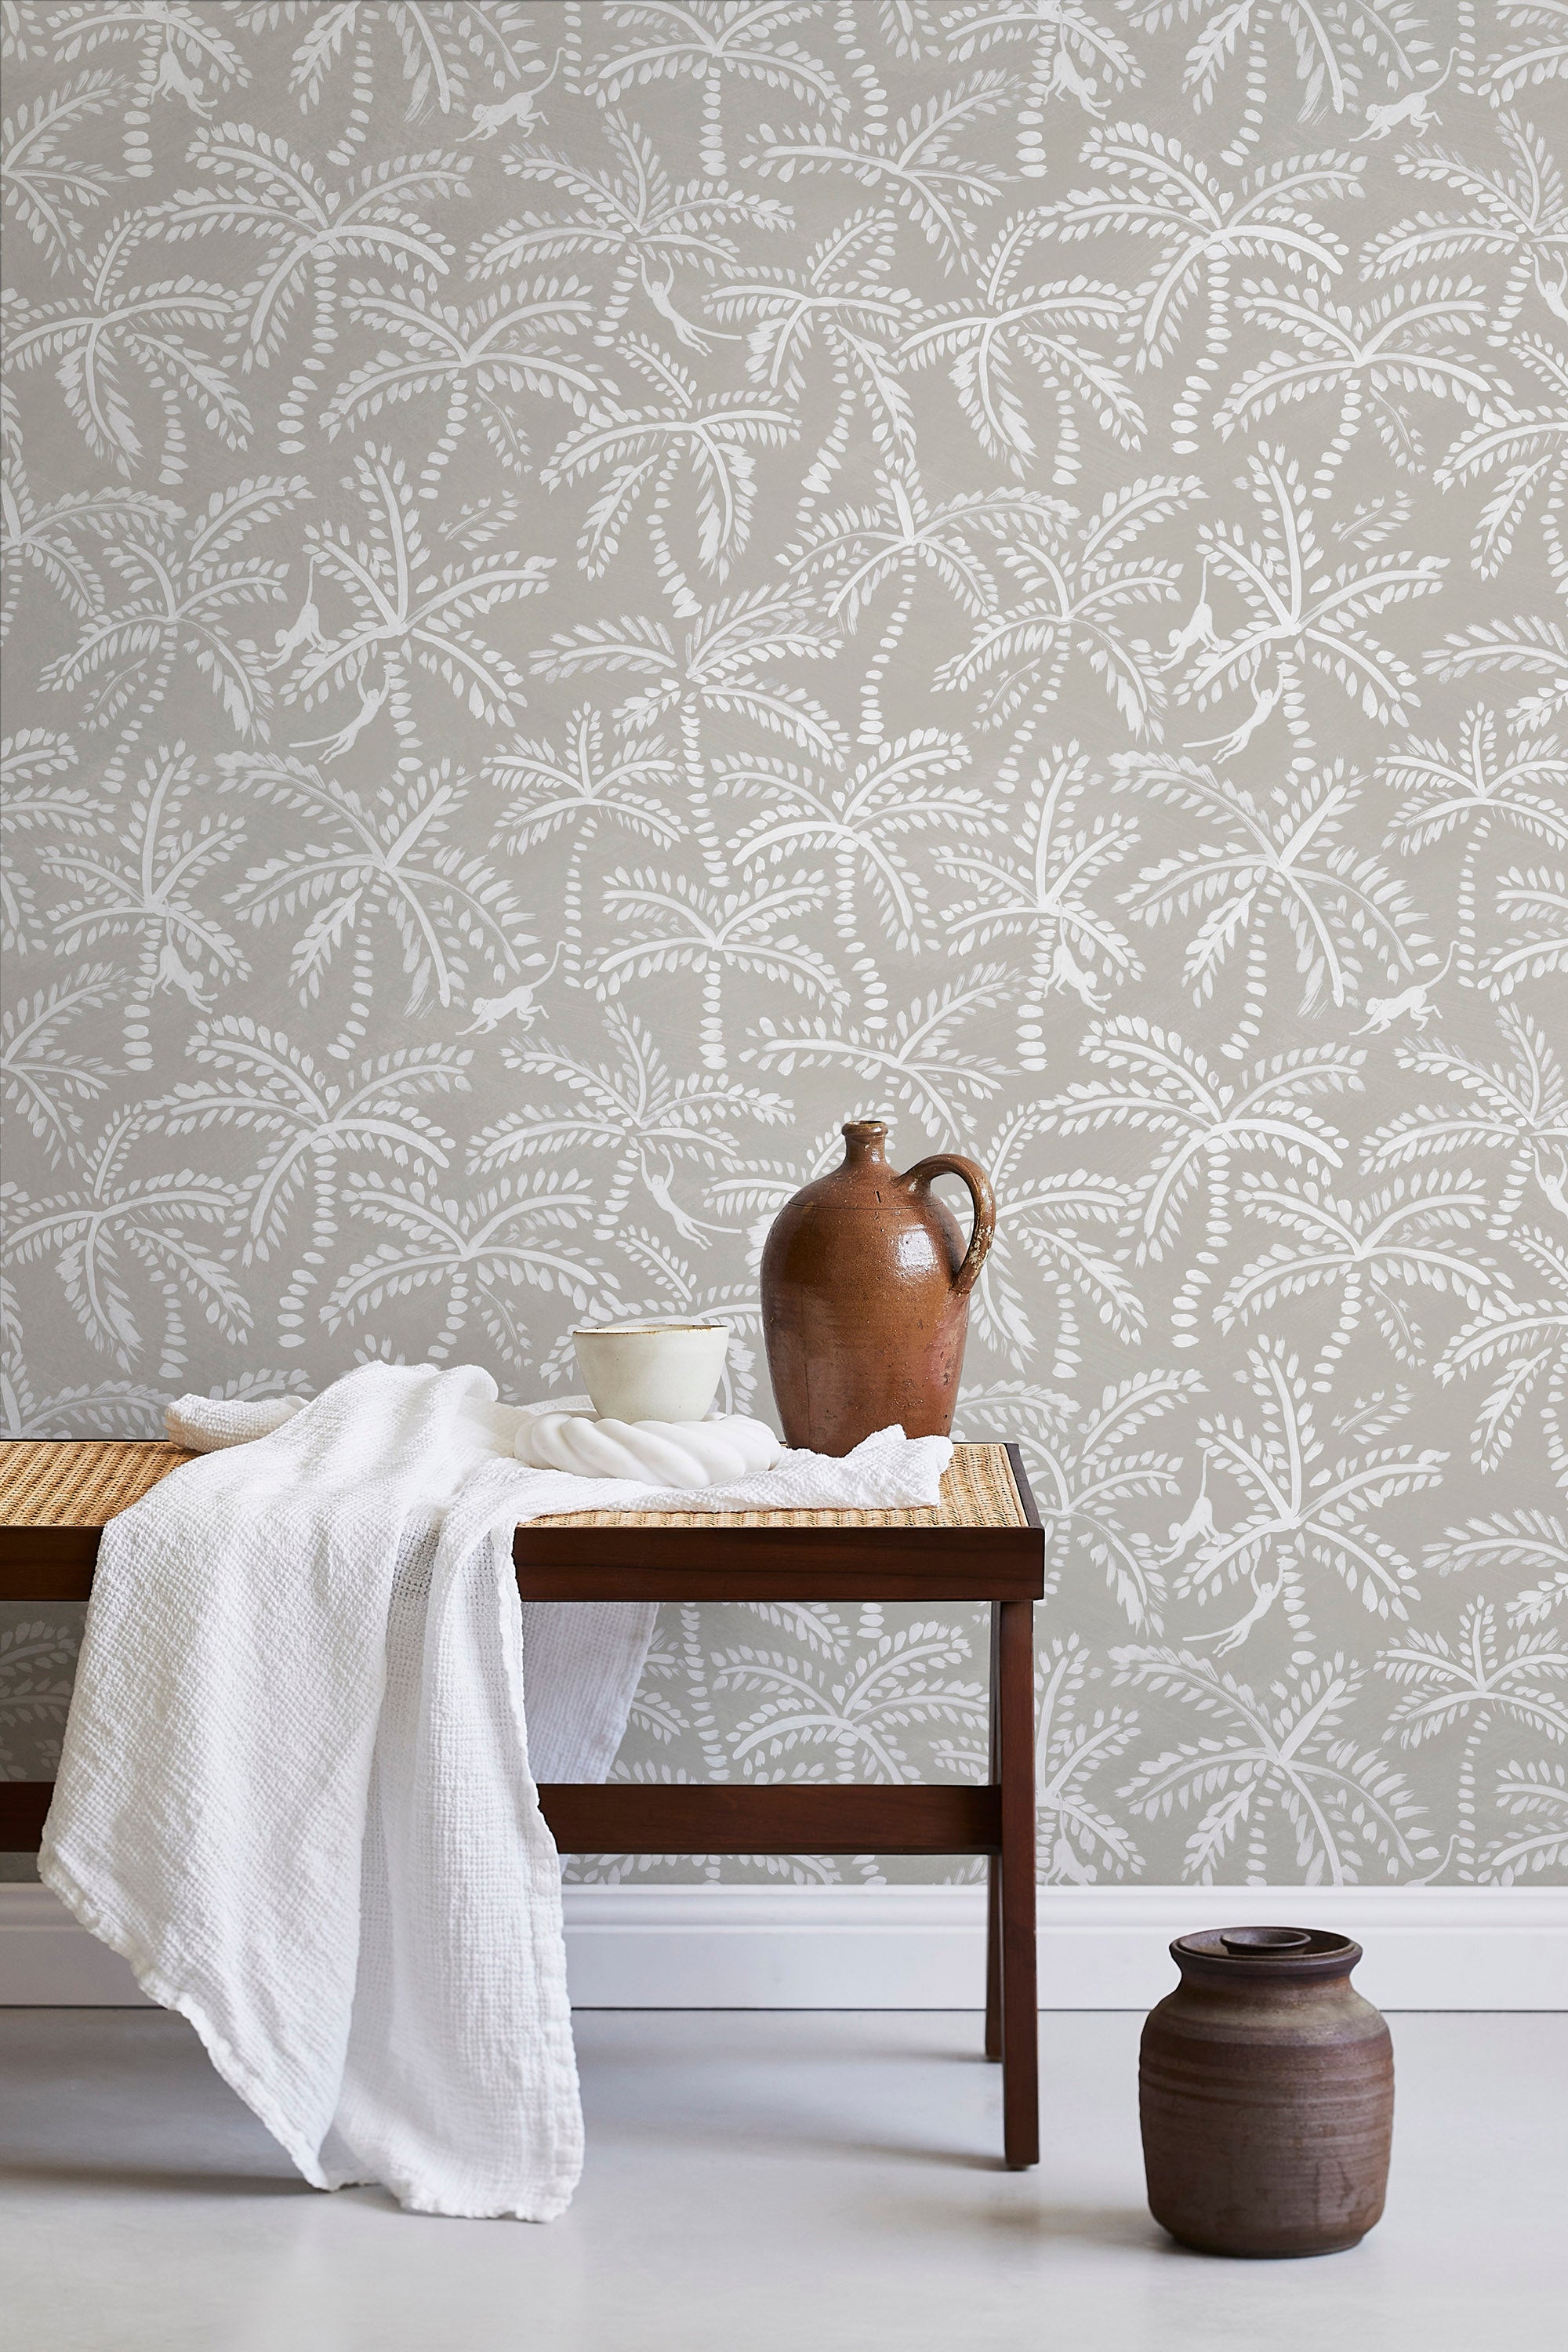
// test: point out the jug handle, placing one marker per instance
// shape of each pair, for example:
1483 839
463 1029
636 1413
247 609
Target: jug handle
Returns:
983 1201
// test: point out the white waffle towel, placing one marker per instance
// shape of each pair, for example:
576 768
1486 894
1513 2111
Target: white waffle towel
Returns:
296 1791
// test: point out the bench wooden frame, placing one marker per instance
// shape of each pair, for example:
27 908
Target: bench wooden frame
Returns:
1002 1564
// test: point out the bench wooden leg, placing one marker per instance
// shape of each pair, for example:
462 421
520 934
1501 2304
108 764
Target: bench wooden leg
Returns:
1013 1718
993 1957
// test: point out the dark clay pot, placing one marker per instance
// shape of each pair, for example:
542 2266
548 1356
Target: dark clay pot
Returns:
1265 2090
866 1283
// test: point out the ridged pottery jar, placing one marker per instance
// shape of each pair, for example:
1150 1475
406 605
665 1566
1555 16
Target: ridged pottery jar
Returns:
1265 2090
866 1283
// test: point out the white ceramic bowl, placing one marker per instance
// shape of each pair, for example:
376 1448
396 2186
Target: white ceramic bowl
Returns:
651 1371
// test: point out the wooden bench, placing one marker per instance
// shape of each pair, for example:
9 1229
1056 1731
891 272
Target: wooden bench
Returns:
982 1543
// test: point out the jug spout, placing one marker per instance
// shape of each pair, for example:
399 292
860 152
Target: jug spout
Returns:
865 1139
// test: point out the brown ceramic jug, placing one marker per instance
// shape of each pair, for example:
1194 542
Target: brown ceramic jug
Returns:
866 1283
1265 2091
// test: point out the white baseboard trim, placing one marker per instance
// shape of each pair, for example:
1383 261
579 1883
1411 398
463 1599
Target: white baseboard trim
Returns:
922 1947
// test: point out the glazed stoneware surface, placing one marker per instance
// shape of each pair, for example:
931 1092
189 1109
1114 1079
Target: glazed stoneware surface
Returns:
1266 2093
866 1283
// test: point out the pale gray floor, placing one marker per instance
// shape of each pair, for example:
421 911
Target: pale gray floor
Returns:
765 2183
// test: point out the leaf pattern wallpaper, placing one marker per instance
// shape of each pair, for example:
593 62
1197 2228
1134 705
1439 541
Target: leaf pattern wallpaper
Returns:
594 589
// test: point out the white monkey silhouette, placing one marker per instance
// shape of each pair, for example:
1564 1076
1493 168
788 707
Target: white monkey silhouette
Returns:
489 1011
173 81
305 629
519 110
336 745
1198 1525
174 974
1067 81
1067 972
1199 630
1413 111
1382 1012
1228 746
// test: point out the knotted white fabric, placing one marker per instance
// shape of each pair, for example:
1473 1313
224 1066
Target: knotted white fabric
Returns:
296 1791
679 1452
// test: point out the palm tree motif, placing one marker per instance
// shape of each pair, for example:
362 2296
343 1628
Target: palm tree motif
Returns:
1075 585
1064 1225
307 1126
1537 1795
635 1108
1091 1466
43 186
139 876
1483 788
481 1255
1079 1839
1371 358
58 542
42 1081
381 861
1012 339
838 302
410 611
1272 1764
114 1223
667 923
859 550
1477 1683
1524 1343
181 580
448 50
762 1190
1074 57
1154 186
868 821
667 39
182 50
1535 902
725 669
34 799
891 1684
634 215
95 1409
1403 1237
1304 611
1301 1509
1519 1107
37 1667
1204 1124
1542 56
1036 888
1279 860
1334 52
916 1059
1526 449
914 163
1521 1542
1530 646
481 361
110 334
1517 215
594 787
309 221
640 452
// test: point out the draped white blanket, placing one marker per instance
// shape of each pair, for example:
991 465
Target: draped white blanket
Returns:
297 1794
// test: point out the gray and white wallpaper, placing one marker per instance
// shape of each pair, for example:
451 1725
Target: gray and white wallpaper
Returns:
594 589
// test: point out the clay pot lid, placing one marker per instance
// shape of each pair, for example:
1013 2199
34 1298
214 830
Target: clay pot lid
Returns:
1269 1951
